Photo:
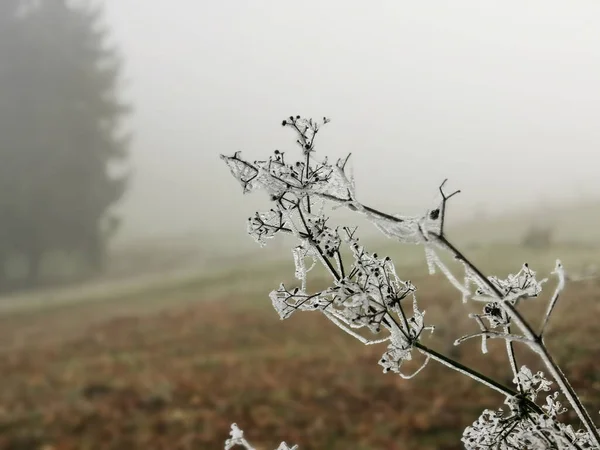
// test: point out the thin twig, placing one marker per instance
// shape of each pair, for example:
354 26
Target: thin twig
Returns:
560 273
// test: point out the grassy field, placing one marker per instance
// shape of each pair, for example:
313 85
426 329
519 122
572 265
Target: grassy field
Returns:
172 366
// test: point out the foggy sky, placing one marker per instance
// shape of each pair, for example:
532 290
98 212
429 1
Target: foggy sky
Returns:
501 97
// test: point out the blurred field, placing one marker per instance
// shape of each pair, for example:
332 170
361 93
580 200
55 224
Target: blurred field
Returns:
170 364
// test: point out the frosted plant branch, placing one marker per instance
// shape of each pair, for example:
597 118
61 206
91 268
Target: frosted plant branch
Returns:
508 302
368 296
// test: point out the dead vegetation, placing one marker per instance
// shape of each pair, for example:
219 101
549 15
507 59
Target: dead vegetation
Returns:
86 377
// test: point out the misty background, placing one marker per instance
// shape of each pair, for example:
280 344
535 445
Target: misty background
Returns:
500 97
114 114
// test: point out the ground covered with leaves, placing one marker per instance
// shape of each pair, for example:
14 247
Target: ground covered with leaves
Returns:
120 376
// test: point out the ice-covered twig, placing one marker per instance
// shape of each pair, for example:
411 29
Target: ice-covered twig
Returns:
559 271
490 334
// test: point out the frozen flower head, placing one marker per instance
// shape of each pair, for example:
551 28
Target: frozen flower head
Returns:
514 287
365 294
524 425
369 295
497 430
492 430
402 342
530 383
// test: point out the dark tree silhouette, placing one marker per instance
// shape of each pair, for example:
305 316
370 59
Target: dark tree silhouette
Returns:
61 135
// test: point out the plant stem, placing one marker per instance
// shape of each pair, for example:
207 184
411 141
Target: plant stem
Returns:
448 362
536 345
483 379
568 391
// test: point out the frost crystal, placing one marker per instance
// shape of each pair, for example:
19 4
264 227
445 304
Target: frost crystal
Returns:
237 438
499 295
521 285
401 344
264 226
531 384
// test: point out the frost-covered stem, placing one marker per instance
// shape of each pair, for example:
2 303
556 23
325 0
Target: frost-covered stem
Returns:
473 374
448 362
307 147
311 241
568 391
465 370
350 204
490 334
340 263
537 345
403 315
556 373
518 319
510 351
307 174
561 285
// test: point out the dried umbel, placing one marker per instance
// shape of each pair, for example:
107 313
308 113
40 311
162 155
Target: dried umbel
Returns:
368 300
